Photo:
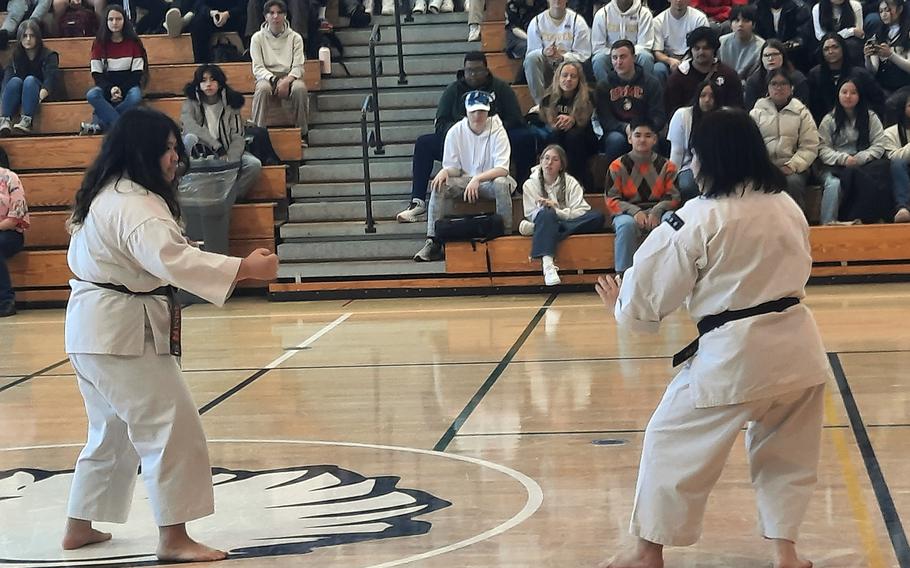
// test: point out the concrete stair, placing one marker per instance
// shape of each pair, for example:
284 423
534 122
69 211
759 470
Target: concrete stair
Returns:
324 237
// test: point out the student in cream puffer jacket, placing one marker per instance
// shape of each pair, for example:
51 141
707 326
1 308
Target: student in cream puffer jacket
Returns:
789 131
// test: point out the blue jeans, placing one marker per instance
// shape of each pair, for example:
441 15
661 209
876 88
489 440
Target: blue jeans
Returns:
498 190
550 229
107 112
17 91
830 198
10 243
602 63
685 181
629 237
615 144
900 175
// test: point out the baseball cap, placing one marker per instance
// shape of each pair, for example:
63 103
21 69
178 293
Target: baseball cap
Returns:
478 100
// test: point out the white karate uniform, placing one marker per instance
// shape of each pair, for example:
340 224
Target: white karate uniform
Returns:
138 405
766 371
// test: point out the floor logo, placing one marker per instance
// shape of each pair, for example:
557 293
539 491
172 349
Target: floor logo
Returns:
265 513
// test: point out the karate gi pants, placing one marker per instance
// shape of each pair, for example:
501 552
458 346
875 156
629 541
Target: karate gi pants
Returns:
685 449
139 411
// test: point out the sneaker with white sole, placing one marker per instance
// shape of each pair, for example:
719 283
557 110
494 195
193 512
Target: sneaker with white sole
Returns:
431 251
89 128
388 7
526 228
551 275
412 214
902 215
173 22
473 32
5 126
447 6
433 8
24 125
420 7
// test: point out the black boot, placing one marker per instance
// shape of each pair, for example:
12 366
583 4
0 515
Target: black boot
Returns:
7 308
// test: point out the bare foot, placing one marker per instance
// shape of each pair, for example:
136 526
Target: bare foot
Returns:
174 545
785 555
79 533
645 555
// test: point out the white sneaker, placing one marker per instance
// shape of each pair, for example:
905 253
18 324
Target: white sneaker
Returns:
526 228
173 22
415 209
551 275
5 126
431 251
388 7
447 7
902 215
368 6
420 7
473 32
434 6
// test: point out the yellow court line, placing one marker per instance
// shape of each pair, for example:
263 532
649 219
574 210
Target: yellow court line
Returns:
854 490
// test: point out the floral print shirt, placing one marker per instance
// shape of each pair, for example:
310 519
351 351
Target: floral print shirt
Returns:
12 200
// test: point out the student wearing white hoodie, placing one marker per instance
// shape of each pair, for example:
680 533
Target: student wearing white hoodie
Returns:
278 56
554 36
555 207
622 19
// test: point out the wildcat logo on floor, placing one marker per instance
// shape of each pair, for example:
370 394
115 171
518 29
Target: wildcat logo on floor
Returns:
258 513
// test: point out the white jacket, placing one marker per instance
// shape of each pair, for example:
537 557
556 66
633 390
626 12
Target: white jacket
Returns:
635 24
893 148
732 253
571 33
790 134
571 199
276 56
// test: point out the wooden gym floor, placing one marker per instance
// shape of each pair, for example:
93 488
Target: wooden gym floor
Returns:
473 432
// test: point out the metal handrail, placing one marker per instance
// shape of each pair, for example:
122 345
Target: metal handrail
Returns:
367 140
402 76
375 71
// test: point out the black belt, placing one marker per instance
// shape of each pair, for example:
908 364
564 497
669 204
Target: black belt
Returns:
173 305
713 322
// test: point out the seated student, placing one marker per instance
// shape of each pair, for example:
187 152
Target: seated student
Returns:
683 123
849 136
13 222
789 22
565 115
118 67
553 36
30 77
774 56
475 165
741 48
278 56
622 19
519 14
841 17
72 18
670 30
211 115
474 76
203 19
627 94
887 53
825 78
682 84
897 149
641 191
789 132
555 207
18 11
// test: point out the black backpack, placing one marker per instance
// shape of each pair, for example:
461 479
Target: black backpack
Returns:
479 227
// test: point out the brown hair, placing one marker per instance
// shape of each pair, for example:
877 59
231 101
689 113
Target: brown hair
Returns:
582 107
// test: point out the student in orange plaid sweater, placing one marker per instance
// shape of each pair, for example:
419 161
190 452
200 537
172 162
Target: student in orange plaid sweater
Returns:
641 191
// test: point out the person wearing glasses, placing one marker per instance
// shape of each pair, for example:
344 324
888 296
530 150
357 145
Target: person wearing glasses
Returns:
774 55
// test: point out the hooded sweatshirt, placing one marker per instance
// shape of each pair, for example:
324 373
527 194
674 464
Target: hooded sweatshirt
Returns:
276 56
619 101
570 197
450 109
230 138
611 25
571 34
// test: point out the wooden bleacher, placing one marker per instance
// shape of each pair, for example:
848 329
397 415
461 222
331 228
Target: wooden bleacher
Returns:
51 160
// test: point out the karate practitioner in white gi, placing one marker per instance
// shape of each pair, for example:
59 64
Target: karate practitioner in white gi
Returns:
126 248
742 244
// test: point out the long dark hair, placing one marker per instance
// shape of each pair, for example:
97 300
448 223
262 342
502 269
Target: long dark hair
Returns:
132 150
786 64
191 90
732 152
20 57
826 16
903 34
860 114
103 37
697 113
847 61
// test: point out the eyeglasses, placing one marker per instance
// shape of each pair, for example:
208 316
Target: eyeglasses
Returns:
771 54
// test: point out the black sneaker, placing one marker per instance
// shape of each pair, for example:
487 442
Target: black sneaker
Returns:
7 308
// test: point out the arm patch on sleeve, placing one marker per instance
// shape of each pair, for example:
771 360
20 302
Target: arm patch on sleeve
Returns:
675 221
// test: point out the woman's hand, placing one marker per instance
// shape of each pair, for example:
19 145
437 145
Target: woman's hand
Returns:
607 288
851 162
550 203
261 264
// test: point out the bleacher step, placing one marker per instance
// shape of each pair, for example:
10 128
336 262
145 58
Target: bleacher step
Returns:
353 230
379 170
391 132
419 19
354 151
396 99
352 189
349 117
341 269
351 250
386 82
459 45
318 211
435 32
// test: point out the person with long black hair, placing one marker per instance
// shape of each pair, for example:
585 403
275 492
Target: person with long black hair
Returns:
30 77
119 64
835 64
773 56
739 258
841 17
684 121
887 54
127 253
